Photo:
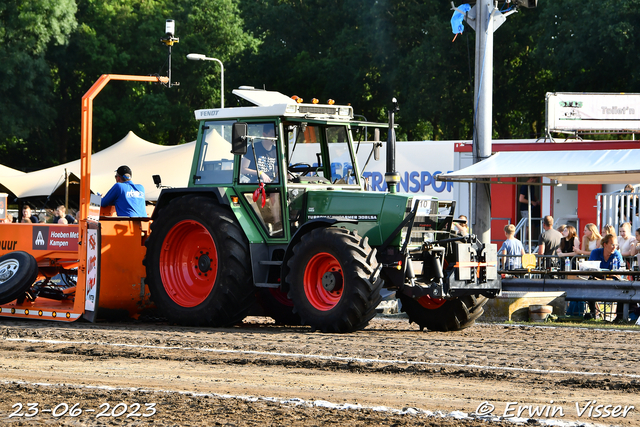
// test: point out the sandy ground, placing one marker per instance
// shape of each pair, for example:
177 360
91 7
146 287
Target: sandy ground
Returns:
389 374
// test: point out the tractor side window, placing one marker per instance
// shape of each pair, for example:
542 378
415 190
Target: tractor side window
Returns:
305 151
262 151
340 156
215 162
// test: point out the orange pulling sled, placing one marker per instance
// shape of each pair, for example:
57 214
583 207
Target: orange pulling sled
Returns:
99 260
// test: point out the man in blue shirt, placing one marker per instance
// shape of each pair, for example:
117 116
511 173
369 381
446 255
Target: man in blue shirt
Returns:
607 253
127 197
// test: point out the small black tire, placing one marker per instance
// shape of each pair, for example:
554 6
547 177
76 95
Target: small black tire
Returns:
277 305
198 264
18 271
329 282
454 315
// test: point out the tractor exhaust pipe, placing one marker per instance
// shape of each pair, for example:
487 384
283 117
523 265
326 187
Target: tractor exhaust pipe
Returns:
391 177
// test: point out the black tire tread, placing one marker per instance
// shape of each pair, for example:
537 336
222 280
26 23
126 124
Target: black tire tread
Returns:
454 315
233 293
17 285
360 297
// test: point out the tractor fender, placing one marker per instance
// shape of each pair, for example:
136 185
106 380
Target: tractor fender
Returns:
169 194
304 229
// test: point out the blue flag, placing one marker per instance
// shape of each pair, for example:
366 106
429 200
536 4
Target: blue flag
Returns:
457 18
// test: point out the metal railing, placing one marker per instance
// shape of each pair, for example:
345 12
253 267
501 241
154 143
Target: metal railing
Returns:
617 208
557 263
550 275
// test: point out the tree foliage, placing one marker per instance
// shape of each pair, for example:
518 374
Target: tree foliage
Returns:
27 110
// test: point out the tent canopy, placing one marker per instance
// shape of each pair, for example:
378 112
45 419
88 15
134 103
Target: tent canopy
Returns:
145 159
567 167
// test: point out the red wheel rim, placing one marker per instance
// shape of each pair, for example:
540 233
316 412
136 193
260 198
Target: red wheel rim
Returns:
323 281
281 297
431 303
188 263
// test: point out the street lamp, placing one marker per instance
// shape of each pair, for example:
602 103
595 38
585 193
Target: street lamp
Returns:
200 57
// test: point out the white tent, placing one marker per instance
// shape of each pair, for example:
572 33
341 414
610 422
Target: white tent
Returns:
5 171
145 159
567 167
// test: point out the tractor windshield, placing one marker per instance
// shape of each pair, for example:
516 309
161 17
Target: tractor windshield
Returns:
333 163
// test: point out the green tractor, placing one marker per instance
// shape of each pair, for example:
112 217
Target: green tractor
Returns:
276 210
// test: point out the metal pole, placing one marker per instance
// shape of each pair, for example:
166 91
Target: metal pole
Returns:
529 214
483 112
391 176
169 71
66 189
221 81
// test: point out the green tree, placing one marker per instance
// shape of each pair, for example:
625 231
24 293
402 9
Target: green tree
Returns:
27 111
314 49
590 45
123 37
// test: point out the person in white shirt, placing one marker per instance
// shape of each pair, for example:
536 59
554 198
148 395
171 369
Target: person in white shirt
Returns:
625 239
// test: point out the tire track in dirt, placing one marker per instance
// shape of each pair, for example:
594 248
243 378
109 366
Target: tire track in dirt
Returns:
435 371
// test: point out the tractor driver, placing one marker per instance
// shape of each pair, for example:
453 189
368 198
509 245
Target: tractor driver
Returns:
127 197
265 155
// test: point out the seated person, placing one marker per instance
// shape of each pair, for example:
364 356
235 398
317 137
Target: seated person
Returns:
606 255
127 197
61 212
28 214
265 155
460 226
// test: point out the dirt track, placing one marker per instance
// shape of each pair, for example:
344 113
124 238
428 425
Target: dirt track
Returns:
290 376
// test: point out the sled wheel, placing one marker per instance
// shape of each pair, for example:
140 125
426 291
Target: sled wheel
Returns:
452 315
277 305
18 271
329 280
198 264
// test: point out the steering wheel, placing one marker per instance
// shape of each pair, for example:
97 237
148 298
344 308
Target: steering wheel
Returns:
300 168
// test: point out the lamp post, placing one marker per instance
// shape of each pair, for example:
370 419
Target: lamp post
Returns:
200 57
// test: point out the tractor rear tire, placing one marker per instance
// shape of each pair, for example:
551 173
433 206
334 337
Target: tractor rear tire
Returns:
277 305
329 280
18 271
453 315
198 264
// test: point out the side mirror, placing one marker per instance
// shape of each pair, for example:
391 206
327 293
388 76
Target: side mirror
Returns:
156 180
239 138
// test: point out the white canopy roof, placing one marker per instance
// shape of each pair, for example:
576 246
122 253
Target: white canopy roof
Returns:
5 171
567 167
145 159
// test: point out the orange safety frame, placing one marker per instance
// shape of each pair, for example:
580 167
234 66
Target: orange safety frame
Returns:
122 247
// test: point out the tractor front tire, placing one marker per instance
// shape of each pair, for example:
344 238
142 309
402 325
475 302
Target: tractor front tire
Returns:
329 280
18 271
198 264
443 316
